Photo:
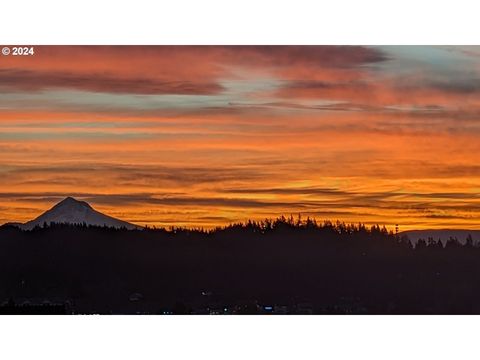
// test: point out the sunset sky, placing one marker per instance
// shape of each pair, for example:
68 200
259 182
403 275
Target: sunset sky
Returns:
205 136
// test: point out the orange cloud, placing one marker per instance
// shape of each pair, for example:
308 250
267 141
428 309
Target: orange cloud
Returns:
250 132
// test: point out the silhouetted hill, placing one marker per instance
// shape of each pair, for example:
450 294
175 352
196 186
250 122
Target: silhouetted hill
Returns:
443 235
285 264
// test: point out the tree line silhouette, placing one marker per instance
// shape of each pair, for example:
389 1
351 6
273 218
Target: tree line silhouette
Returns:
335 267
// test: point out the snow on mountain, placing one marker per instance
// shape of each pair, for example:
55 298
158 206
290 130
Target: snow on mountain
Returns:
72 211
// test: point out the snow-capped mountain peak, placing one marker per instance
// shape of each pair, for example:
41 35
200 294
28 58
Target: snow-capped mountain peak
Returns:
72 211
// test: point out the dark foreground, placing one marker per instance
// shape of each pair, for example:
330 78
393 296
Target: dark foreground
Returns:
281 267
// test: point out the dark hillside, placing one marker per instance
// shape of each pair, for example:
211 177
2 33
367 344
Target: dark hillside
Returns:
298 266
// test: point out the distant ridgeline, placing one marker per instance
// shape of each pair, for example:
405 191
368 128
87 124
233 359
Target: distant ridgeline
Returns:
293 265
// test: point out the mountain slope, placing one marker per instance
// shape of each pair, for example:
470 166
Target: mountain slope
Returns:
443 235
72 211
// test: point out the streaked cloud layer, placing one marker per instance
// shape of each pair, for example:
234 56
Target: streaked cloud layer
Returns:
204 136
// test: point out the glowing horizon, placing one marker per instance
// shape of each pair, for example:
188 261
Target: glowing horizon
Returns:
206 136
